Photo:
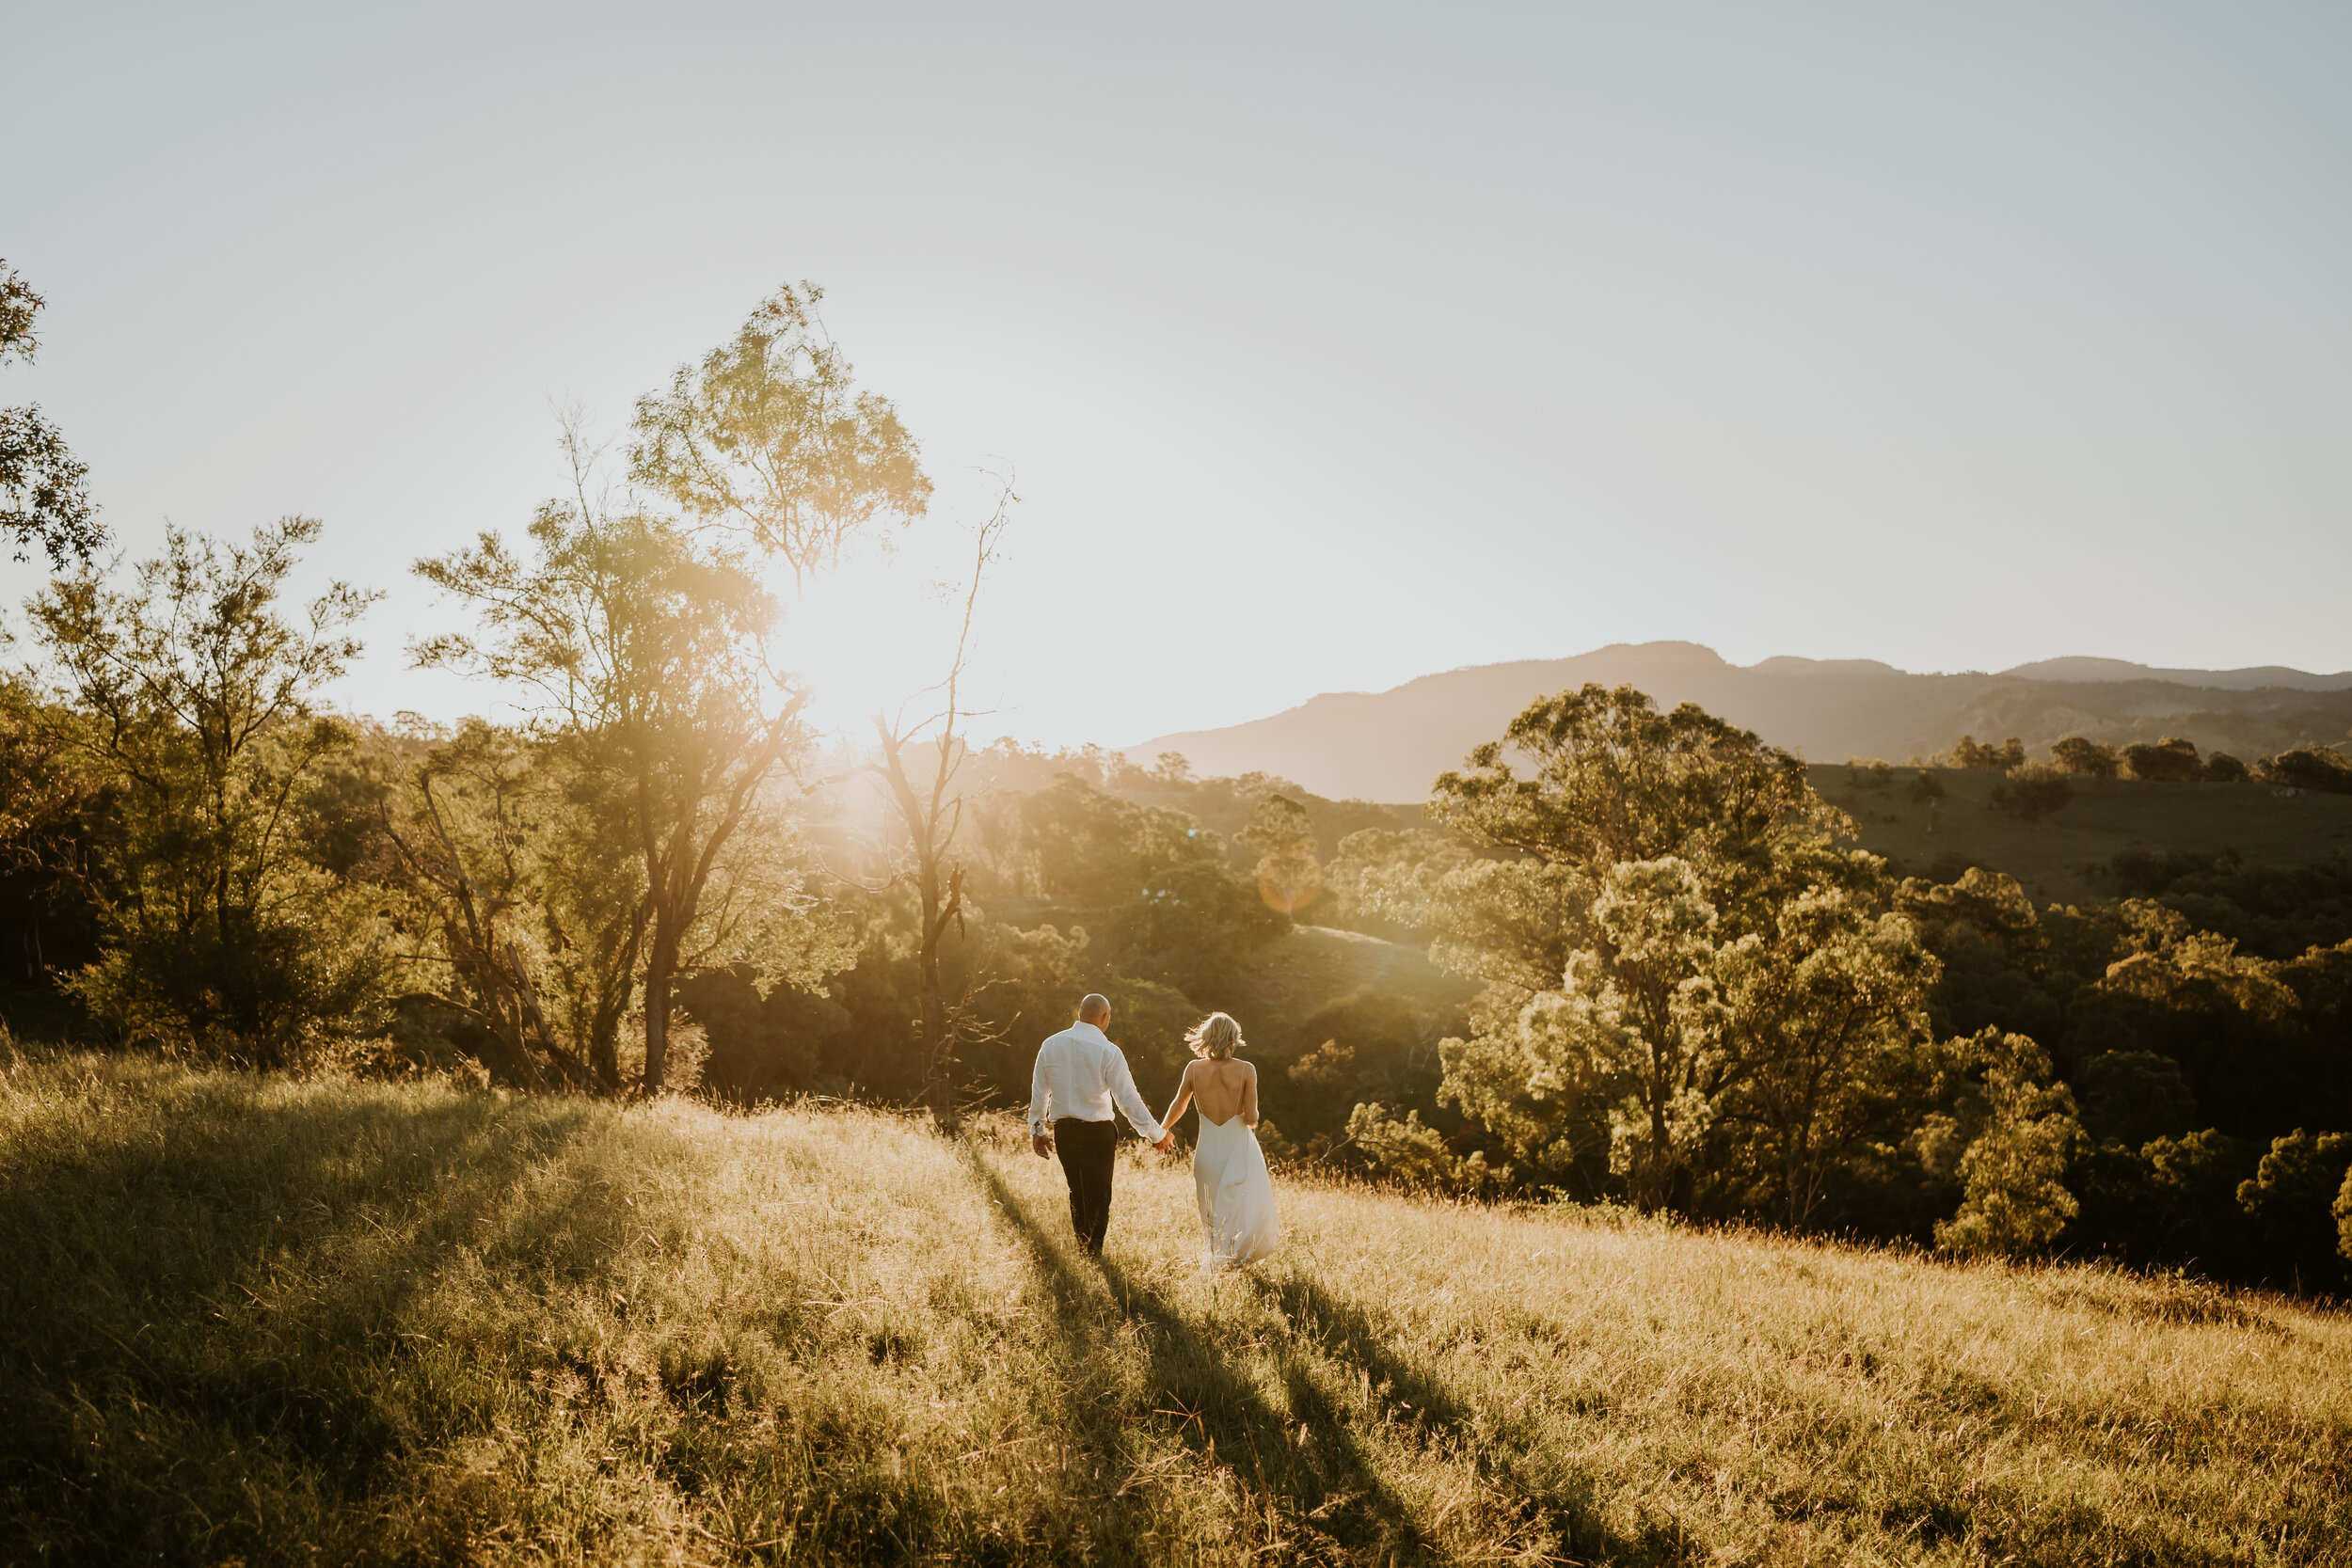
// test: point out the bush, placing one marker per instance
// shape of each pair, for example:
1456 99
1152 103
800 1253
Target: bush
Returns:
2032 792
2221 768
2171 760
2089 758
2316 767
1991 759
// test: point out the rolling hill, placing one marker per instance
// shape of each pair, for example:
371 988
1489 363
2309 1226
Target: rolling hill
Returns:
276 1322
1388 745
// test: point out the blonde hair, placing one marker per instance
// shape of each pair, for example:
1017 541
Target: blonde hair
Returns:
1215 1037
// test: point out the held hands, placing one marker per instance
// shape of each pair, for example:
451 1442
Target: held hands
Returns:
1167 1141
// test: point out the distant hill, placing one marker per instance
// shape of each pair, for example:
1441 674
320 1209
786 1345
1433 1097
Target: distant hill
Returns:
1388 745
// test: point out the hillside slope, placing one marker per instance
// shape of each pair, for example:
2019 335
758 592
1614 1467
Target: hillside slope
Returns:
293 1322
2058 857
1388 745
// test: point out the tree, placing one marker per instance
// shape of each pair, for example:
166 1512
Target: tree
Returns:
2032 791
44 494
1637 1026
649 656
469 845
2317 768
1283 835
195 699
1967 752
2221 768
2171 760
2288 1198
932 811
1824 1024
770 438
2016 1199
1637 848
2089 758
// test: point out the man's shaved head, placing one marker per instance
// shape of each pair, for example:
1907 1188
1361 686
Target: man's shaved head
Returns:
1095 1008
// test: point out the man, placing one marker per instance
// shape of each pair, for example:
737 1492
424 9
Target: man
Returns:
1080 1074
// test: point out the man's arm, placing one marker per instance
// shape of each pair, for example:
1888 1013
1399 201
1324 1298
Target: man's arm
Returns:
1123 1094
1039 1143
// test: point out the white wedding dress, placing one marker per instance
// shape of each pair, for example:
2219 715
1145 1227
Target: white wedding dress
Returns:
1236 1194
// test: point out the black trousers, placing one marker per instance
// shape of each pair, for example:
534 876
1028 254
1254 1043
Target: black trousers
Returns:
1089 1152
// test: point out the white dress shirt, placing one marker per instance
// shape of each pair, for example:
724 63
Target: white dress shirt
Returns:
1081 1073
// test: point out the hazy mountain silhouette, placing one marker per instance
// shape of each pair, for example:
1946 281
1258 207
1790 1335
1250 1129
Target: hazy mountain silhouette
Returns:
1388 745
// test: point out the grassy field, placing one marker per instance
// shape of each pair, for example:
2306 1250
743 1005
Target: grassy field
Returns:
274 1321
2105 818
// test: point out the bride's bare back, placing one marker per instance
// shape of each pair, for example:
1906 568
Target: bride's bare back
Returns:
1223 1090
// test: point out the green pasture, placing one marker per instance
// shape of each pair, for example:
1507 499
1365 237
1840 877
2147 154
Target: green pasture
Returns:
2105 818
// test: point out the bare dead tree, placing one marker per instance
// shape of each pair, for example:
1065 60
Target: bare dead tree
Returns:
931 809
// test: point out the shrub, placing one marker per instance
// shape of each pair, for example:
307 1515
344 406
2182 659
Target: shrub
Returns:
2089 758
2032 792
2316 767
2171 760
2221 768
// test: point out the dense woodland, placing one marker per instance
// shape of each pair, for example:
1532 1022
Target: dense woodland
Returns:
1661 970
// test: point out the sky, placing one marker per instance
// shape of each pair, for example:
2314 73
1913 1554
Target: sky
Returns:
1329 346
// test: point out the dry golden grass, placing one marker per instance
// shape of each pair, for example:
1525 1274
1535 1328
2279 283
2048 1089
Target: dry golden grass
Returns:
325 1321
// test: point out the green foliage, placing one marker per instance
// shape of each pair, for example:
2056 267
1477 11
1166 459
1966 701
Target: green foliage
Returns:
2171 760
1969 754
1411 1155
2288 1198
57 877
1170 910
1282 835
1868 774
2133 1096
190 693
2278 911
1830 1056
2032 791
2087 758
2316 767
1683 972
44 489
2015 1201
770 438
649 654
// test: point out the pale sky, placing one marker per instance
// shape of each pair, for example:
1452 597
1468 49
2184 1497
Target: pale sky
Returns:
1333 345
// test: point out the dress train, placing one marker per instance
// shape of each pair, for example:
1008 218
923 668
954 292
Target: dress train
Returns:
1236 1194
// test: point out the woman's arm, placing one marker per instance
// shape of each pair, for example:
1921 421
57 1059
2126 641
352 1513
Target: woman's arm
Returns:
1183 1097
1250 1096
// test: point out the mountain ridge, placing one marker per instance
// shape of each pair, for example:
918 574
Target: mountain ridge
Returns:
1390 745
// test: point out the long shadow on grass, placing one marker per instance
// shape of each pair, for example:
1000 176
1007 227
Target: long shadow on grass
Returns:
1351 1337
1305 1456
218 1298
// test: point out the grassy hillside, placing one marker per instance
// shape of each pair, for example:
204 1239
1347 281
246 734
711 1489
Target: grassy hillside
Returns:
2105 818
276 1322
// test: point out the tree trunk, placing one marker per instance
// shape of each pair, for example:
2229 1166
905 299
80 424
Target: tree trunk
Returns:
660 965
937 1066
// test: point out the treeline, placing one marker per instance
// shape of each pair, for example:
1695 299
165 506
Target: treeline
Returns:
2168 760
2032 789
1701 998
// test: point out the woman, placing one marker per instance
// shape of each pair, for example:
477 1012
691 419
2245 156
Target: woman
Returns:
1228 1167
